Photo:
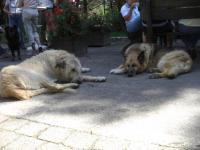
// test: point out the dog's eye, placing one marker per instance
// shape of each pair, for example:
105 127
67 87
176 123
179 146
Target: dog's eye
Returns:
133 65
73 70
128 65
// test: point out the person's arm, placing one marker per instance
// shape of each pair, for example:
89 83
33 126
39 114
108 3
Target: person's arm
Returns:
6 8
20 3
129 15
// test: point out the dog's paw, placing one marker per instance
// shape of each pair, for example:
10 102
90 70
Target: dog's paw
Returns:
101 79
69 90
74 85
116 71
85 70
150 70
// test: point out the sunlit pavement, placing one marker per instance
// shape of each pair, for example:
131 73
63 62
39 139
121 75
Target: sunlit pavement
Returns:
130 113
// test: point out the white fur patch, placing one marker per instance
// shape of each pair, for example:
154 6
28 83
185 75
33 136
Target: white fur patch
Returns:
117 71
84 70
101 79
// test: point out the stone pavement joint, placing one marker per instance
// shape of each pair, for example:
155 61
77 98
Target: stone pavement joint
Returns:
32 129
47 137
3 118
55 134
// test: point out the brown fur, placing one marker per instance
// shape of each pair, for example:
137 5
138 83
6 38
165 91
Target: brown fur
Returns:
139 58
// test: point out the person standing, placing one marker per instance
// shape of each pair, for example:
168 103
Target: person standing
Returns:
46 13
15 18
30 14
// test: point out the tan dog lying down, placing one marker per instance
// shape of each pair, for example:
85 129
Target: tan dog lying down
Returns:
139 58
42 74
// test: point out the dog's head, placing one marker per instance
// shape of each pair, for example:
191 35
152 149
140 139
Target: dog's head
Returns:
11 32
137 58
68 68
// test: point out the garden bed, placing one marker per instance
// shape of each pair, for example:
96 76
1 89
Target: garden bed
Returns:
77 46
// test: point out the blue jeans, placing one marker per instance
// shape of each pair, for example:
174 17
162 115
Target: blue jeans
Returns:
190 40
16 20
30 18
134 25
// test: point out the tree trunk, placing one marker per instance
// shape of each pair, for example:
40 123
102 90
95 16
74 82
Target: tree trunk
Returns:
85 5
111 5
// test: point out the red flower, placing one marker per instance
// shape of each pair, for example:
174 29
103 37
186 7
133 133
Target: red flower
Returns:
57 10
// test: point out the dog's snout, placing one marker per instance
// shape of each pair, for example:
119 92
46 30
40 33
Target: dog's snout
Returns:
131 73
78 81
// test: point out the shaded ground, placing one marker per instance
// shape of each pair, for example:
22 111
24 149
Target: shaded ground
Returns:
165 112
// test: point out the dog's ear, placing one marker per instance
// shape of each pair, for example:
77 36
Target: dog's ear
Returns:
6 28
141 57
61 64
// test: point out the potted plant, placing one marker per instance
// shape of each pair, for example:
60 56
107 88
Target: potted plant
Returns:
99 30
70 29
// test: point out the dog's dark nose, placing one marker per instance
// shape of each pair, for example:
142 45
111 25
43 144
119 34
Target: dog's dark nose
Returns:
131 73
78 81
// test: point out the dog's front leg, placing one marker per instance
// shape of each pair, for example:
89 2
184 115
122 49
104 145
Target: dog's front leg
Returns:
93 78
119 70
153 70
85 70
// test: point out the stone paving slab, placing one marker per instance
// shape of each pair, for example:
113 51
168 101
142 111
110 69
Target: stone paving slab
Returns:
24 143
111 144
32 129
59 138
147 146
52 146
3 118
7 137
79 140
13 124
55 134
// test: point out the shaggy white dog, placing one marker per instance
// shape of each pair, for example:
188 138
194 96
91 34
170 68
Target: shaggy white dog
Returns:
43 74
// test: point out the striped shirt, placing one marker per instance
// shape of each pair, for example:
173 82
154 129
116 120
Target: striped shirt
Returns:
28 3
46 3
12 6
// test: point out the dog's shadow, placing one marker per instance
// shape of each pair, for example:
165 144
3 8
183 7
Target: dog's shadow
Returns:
5 100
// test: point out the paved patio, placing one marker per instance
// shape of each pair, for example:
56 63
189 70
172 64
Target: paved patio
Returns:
122 113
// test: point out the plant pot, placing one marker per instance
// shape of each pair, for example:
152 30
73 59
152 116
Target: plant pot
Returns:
77 46
97 38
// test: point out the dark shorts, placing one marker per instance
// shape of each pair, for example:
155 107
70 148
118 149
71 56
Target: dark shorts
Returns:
166 27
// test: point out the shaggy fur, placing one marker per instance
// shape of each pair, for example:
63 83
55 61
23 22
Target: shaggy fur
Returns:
43 74
139 58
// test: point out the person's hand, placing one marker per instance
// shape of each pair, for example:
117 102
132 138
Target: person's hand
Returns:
132 6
